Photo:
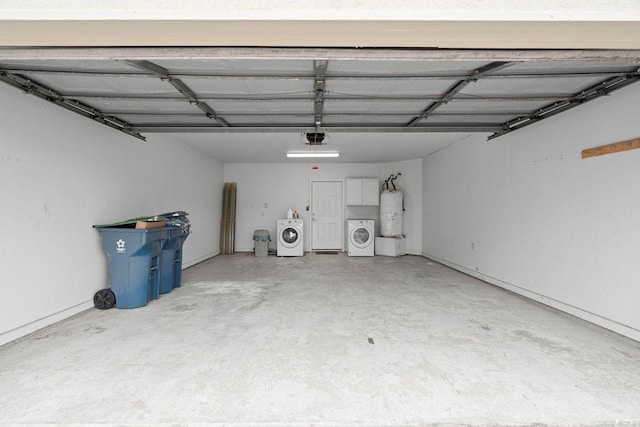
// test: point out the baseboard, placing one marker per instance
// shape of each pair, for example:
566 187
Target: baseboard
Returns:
596 319
193 262
36 325
414 252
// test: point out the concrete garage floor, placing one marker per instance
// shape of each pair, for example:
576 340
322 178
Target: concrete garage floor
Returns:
323 340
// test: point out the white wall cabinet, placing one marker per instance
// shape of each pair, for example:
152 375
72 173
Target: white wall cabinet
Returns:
362 192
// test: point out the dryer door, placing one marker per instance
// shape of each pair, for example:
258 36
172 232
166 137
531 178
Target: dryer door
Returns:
289 237
361 237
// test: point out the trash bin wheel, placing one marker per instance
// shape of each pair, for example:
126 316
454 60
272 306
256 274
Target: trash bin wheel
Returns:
104 299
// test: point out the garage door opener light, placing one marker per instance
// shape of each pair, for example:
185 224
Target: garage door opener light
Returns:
312 154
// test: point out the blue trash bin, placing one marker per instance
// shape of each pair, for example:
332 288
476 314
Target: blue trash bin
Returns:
171 258
133 264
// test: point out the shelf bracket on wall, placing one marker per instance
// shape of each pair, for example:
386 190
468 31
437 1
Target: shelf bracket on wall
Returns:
41 91
180 86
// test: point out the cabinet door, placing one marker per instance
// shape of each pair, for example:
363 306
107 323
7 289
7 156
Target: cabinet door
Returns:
371 195
354 192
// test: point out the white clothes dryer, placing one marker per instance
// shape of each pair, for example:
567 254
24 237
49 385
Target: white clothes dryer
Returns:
290 237
361 237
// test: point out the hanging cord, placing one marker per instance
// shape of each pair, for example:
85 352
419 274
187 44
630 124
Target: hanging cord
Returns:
385 186
393 179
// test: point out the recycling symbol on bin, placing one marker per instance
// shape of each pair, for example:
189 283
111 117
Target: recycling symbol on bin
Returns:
120 246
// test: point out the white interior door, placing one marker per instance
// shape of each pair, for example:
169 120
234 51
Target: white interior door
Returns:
326 215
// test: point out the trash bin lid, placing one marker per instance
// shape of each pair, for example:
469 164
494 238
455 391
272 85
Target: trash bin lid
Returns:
262 235
132 222
174 214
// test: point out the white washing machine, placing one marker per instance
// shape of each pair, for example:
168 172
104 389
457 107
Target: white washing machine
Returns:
290 237
361 237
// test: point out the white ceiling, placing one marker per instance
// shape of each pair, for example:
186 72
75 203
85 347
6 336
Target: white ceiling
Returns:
353 147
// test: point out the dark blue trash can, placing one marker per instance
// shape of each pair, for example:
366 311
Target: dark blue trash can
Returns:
171 257
133 263
171 260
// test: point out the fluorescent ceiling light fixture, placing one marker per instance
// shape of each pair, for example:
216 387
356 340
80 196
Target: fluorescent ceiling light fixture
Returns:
316 154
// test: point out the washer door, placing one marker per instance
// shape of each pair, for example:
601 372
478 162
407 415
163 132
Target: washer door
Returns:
289 237
361 237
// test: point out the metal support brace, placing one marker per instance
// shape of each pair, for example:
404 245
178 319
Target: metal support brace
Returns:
453 90
34 88
320 69
306 98
239 75
596 91
180 86
199 128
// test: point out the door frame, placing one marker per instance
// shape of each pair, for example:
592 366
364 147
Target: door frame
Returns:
342 207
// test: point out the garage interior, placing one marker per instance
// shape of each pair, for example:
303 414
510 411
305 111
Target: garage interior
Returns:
516 303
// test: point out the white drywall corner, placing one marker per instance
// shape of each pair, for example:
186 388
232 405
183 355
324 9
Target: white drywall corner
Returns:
526 212
60 174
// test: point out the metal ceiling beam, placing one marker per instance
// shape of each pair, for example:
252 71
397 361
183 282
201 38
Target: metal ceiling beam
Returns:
567 73
320 69
182 98
327 97
595 91
445 75
448 127
325 114
58 71
453 90
190 95
34 88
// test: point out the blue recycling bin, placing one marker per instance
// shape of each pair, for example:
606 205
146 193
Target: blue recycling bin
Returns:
171 260
171 257
133 263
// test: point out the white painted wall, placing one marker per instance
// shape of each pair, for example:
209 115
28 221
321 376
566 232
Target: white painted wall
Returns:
459 24
569 10
525 212
59 175
284 186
